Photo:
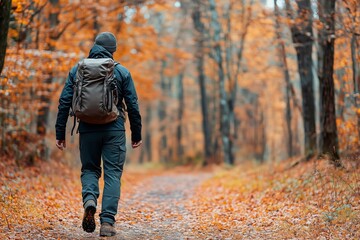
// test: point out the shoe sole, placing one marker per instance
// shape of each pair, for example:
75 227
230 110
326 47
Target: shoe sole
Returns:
88 223
107 234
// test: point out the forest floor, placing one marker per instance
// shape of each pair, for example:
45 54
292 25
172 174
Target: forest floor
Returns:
309 201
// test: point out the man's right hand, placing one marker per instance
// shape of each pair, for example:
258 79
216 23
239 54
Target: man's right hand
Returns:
61 144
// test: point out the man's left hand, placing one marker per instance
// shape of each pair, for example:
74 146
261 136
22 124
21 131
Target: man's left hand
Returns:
61 144
136 144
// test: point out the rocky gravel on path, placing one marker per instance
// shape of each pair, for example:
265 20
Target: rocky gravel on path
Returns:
157 209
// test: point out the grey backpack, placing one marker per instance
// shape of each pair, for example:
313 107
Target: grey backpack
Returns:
95 91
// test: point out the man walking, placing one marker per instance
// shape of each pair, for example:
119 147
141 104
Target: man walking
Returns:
100 139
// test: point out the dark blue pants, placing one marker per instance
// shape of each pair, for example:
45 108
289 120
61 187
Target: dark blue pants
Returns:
110 147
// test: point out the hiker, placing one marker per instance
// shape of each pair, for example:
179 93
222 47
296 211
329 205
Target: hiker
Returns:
101 127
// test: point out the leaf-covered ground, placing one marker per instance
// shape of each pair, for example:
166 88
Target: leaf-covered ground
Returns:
310 201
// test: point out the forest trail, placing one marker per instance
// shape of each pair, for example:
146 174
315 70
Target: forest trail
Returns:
312 201
152 206
154 210
158 206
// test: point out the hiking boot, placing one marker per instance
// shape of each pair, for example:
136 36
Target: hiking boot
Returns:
107 230
88 222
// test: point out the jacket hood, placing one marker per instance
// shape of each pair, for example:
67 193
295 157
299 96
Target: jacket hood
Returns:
98 51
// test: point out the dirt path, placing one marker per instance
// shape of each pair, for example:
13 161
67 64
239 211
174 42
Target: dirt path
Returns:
155 210
242 203
159 208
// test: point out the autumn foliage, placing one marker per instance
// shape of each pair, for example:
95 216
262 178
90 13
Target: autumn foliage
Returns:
159 42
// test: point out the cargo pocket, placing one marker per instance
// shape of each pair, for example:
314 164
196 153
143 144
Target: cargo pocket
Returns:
122 148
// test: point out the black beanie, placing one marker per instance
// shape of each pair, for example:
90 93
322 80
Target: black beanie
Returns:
106 40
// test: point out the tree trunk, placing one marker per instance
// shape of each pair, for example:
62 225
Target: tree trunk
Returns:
43 113
200 28
302 36
96 24
179 153
224 108
261 134
232 76
148 143
146 151
5 8
340 94
356 77
181 101
162 115
284 66
329 137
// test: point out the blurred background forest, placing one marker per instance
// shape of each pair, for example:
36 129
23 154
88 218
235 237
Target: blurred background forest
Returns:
218 81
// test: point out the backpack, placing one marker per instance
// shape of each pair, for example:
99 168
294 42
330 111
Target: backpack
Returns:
95 91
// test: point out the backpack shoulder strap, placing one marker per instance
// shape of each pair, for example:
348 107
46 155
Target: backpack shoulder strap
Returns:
121 77
118 70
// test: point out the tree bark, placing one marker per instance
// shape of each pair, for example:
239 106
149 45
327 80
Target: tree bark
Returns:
5 8
302 36
284 66
232 75
200 28
179 153
328 135
163 114
355 53
146 151
96 24
181 101
43 113
224 108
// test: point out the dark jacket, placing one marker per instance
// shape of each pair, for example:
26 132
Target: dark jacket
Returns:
127 92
